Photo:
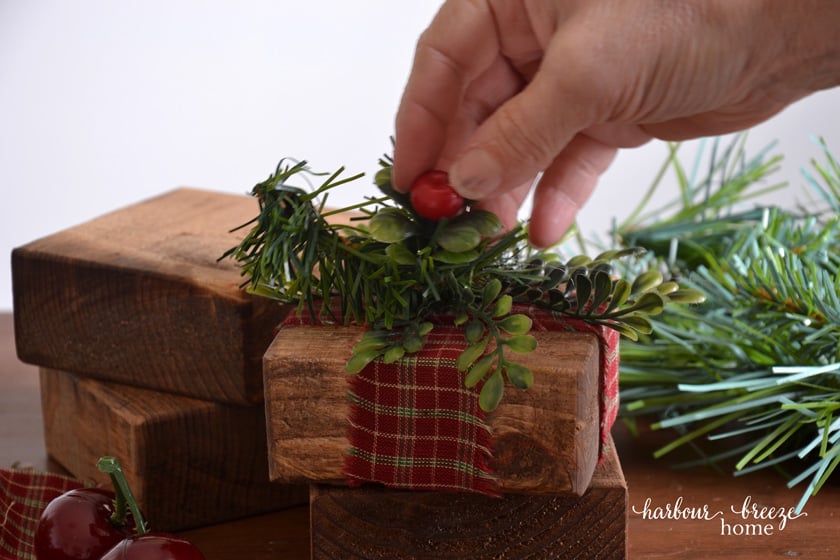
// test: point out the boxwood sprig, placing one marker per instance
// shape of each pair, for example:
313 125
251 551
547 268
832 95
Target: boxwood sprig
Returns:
394 271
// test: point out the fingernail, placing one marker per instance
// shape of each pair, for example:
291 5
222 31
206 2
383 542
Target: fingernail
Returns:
476 175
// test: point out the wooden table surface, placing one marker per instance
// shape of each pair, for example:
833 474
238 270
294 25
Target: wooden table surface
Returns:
285 534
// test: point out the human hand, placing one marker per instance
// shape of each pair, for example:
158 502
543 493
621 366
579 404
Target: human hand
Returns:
502 90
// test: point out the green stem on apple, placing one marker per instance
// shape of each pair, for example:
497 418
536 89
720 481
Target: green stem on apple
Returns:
125 497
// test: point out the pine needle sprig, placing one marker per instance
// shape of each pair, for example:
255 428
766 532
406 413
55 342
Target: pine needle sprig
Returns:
827 185
760 359
394 271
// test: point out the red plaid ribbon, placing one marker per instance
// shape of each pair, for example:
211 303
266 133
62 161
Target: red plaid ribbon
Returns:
414 425
23 496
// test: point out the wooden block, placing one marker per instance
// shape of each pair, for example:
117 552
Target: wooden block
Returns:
377 523
189 462
137 296
545 439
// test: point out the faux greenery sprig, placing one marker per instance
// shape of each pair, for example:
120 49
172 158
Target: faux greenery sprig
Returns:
759 362
393 270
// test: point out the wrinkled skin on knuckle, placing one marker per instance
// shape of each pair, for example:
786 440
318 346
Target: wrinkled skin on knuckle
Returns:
519 140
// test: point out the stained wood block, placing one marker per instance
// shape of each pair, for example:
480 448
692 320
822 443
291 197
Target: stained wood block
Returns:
189 462
137 297
376 523
545 439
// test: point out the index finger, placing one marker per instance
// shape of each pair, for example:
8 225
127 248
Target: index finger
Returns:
458 45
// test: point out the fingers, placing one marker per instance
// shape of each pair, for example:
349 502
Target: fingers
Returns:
506 91
618 134
524 135
562 190
459 45
566 186
483 96
506 205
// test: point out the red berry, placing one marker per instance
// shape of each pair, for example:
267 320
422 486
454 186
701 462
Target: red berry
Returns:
77 526
433 198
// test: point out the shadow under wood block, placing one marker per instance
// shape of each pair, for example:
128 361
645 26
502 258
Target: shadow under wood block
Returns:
371 522
190 463
545 439
137 297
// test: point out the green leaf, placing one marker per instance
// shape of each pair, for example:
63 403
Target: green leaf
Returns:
449 257
613 254
487 223
555 274
369 343
625 331
393 354
470 354
382 177
646 281
390 225
607 255
667 288
412 343
637 323
687 295
579 260
650 303
521 344
425 328
603 285
503 306
400 254
518 324
519 376
479 370
491 291
474 331
491 392
458 238
358 361
621 291
583 291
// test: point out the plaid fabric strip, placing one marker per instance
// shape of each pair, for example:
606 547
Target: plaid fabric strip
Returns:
414 425
23 496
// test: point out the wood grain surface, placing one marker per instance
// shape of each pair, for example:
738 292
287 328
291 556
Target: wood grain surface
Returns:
285 533
368 523
137 297
545 439
190 463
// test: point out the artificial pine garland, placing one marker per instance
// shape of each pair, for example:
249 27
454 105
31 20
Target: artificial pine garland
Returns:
759 361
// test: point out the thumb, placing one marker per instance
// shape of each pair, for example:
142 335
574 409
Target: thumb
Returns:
520 139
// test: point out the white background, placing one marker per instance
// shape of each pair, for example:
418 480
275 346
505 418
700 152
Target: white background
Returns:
104 103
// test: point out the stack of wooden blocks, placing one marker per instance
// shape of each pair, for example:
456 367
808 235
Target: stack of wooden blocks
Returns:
150 351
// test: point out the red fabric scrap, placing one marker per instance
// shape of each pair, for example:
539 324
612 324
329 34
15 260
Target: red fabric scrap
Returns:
23 496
